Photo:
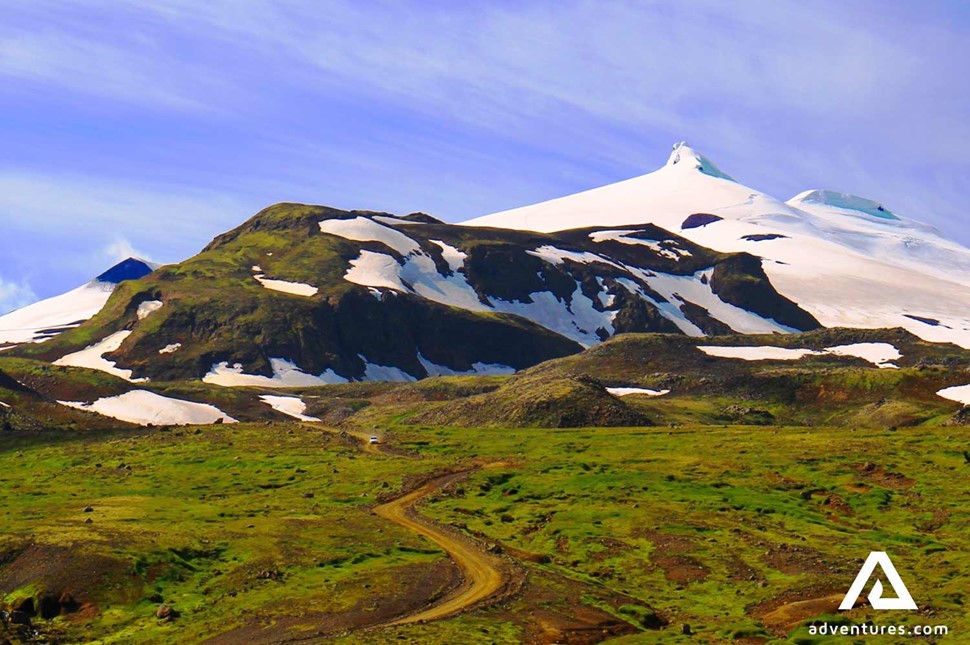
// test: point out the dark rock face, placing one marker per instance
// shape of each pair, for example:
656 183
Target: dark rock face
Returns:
932 322
698 220
130 269
741 281
763 237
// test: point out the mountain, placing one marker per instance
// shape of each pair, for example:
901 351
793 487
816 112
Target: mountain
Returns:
302 295
43 320
847 260
309 295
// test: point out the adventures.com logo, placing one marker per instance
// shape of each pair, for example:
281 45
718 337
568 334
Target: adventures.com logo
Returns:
902 601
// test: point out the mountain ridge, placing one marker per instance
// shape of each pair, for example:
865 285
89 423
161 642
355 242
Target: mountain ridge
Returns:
312 295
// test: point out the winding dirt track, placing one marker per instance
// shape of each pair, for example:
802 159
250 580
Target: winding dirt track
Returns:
483 574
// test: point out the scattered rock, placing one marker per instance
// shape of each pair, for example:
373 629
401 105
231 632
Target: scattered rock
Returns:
685 629
270 574
88 509
961 418
19 618
166 613
25 605
48 605
68 603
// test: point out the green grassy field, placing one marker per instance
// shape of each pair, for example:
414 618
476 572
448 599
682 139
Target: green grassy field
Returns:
262 532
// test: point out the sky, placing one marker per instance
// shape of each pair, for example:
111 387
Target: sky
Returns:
137 128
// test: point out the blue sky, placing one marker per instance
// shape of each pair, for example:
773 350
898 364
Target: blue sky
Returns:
148 128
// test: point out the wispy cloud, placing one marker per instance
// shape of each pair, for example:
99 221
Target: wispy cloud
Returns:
192 113
14 295
62 230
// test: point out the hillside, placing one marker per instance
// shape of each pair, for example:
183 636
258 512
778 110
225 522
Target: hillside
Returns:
307 295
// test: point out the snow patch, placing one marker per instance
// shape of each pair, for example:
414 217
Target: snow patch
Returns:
454 257
554 255
763 353
292 406
285 374
958 393
148 307
294 288
375 270
374 372
879 354
576 318
92 357
626 391
170 349
481 369
147 408
362 229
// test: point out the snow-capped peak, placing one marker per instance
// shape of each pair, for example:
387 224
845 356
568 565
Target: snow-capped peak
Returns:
847 260
683 156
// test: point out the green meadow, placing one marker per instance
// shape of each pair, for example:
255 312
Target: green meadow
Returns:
264 532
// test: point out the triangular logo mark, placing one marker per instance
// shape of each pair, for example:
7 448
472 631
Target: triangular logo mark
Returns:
902 600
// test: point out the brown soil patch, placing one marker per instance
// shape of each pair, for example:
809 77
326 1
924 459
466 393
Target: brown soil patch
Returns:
794 559
420 587
879 476
583 626
60 569
681 569
670 555
787 611
667 543
739 570
554 609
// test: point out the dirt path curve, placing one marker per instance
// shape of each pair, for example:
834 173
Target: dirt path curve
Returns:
483 574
